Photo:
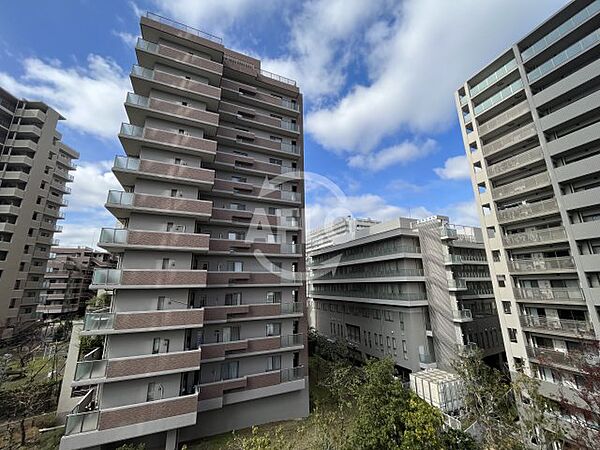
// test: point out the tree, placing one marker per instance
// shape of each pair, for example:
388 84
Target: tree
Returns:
423 424
261 441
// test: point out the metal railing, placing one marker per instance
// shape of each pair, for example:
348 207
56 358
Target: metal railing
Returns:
528 210
274 76
541 264
457 283
292 340
505 93
577 327
400 296
537 236
564 56
514 137
549 294
561 30
372 274
184 27
453 259
493 78
291 308
371 254
448 233
514 162
292 373
550 355
520 186
126 162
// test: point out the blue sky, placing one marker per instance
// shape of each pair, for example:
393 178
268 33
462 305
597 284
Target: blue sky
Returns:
378 78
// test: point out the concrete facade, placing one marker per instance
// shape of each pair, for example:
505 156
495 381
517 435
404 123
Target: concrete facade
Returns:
416 290
531 127
68 279
206 330
35 166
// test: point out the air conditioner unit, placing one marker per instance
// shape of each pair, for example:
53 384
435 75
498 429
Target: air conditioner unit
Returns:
179 228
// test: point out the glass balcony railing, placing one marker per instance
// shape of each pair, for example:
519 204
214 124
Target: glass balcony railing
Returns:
131 130
136 99
142 72
426 358
462 315
464 100
97 321
113 236
561 30
564 56
466 118
505 93
290 104
106 276
291 308
453 259
147 46
120 198
82 422
457 284
339 275
292 373
88 370
127 163
289 125
493 78
290 148
292 340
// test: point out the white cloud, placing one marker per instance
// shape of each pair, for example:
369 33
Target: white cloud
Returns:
92 181
397 154
416 62
327 209
79 234
463 213
455 168
128 39
91 97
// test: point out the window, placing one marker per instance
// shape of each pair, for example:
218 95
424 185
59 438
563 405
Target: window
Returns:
512 334
501 281
394 343
274 297
237 206
273 329
235 266
506 307
234 298
184 103
404 349
496 255
387 315
273 363
353 333
160 345
239 179
230 370
279 162
155 391
231 334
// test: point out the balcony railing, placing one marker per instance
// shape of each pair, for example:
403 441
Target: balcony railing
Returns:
292 340
535 237
113 236
276 77
120 198
574 50
97 321
400 296
448 233
552 356
503 119
541 265
554 324
521 186
493 78
89 370
462 315
184 27
292 373
291 308
371 274
457 284
388 250
528 210
561 30
505 93
510 139
453 259
515 162
549 295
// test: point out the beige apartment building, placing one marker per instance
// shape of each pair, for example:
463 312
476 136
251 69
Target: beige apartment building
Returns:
35 167
531 127
418 291
68 278
206 330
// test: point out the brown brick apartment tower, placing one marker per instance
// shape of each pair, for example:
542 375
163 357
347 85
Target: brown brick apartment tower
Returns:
206 331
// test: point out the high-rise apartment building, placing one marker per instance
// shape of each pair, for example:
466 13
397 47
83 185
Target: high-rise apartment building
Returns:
68 279
324 236
531 127
418 291
35 167
205 332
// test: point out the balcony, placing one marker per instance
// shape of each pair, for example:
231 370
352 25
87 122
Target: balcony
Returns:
127 170
218 388
447 233
260 192
134 138
457 284
149 54
144 80
451 260
249 141
102 322
336 293
517 162
117 239
522 186
220 350
250 95
462 316
120 204
542 265
249 117
525 133
367 276
499 97
231 278
139 108
147 278
252 311
246 217
549 295
537 237
247 164
493 78
552 357
528 211
427 361
228 247
556 326
504 120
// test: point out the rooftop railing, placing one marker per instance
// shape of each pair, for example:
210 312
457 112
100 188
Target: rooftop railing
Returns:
276 77
184 27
